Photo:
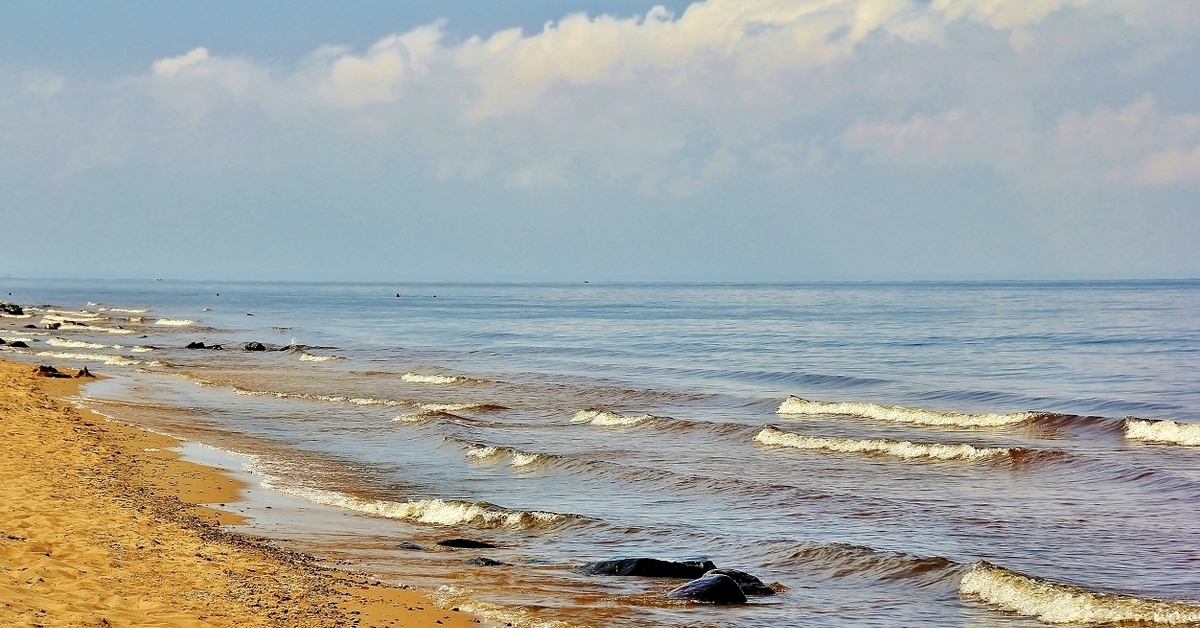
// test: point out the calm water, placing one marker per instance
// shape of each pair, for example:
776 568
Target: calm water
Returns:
959 454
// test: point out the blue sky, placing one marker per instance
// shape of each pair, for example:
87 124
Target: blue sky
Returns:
719 140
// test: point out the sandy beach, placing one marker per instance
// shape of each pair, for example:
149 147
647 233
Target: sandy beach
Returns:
103 525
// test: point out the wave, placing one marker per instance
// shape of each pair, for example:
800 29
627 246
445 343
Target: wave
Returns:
898 449
839 560
1168 432
429 511
175 322
141 349
417 378
517 458
80 344
358 401
460 407
1058 603
308 357
803 407
604 418
429 415
123 310
112 360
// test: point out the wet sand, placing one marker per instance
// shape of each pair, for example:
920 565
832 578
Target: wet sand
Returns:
102 525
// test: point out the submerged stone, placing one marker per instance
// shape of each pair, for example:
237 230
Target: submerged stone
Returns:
649 568
712 589
483 562
465 543
749 584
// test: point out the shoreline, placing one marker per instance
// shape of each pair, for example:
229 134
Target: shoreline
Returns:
104 525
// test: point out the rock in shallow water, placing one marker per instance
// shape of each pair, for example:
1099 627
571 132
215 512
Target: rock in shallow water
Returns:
749 584
467 543
483 562
714 589
648 568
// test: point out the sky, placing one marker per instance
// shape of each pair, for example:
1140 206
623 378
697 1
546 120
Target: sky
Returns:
564 140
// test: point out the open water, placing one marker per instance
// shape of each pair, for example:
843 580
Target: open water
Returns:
973 454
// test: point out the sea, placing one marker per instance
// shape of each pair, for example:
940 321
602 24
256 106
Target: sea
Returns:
880 454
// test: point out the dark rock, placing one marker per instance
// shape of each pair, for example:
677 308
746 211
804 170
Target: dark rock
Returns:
84 372
465 543
31 327
254 346
49 371
11 308
2 342
19 344
195 345
714 589
409 545
649 568
53 325
483 562
750 584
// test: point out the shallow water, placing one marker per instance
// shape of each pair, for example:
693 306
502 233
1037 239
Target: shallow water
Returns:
958 454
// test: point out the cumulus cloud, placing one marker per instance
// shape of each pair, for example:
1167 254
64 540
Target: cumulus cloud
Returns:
171 66
1135 145
41 84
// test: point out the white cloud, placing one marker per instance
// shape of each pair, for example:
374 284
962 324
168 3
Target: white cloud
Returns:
920 137
1003 14
41 84
1136 145
171 66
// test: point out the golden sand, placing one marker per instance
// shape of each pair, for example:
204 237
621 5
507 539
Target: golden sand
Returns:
101 525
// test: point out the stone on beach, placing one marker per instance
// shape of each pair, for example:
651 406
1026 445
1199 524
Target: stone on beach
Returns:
711 589
409 545
11 308
649 568
48 371
19 344
254 346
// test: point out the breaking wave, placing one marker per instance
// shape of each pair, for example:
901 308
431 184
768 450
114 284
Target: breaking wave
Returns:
1168 432
1058 603
113 360
417 378
898 449
358 401
174 322
517 458
80 344
796 406
429 511
124 310
308 357
604 418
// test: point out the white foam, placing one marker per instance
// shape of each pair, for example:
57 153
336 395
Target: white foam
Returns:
452 407
416 378
172 322
141 349
796 406
604 418
1168 432
483 452
115 360
1057 603
429 511
358 401
523 459
124 310
306 357
80 344
454 597
899 449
